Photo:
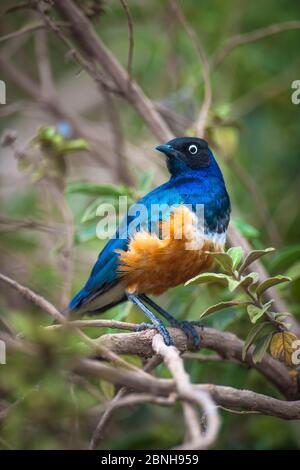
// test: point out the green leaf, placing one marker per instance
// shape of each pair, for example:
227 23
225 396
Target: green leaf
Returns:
252 335
46 133
207 277
93 189
57 142
279 316
223 259
108 389
90 212
86 233
222 306
261 347
285 258
294 271
236 253
272 281
245 281
253 256
75 145
251 278
246 229
233 284
255 313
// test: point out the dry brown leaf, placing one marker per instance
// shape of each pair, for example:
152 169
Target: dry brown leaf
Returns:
281 347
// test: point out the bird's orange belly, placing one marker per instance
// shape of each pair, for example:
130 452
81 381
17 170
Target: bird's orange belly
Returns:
152 265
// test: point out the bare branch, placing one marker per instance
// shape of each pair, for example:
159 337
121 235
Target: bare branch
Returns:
116 402
252 36
250 401
224 396
173 361
99 324
36 299
26 30
49 308
17 344
95 50
148 385
131 39
54 107
203 114
43 63
8 224
226 345
206 357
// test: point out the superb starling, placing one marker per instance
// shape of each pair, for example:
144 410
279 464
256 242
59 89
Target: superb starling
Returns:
149 257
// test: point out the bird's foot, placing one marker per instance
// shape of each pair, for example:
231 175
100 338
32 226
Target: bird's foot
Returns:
160 328
188 327
144 326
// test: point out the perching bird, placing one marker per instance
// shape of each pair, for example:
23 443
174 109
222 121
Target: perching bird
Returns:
147 256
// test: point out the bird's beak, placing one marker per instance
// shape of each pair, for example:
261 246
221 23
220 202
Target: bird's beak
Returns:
167 150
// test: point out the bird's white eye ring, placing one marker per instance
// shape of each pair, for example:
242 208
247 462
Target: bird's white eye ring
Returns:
193 149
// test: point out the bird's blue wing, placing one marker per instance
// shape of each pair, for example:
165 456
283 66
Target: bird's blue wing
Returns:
105 271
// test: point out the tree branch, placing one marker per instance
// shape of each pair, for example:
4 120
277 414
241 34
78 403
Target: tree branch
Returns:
252 36
196 438
224 396
131 39
87 39
203 114
227 345
36 299
27 29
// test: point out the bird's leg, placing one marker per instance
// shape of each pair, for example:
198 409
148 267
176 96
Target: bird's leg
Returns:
156 322
188 327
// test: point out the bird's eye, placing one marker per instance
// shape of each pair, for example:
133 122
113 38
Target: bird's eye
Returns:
193 149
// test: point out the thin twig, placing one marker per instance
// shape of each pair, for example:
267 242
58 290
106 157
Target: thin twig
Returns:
131 39
252 36
49 308
203 114
8 224
260 205
198 439
43 63
114 404
26 30
36 299
99 324
205 357
89 42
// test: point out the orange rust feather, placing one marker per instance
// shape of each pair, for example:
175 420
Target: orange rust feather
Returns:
152 265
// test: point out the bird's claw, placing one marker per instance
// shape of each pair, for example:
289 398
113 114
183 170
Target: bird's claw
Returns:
188 327
160 328
144 326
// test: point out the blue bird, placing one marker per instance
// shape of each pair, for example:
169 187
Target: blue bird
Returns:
147 256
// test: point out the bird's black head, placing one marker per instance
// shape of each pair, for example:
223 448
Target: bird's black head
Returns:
192 152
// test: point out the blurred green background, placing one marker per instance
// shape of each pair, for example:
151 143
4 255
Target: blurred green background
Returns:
47 222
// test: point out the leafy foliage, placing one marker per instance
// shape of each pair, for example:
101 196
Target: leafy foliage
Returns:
267 323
